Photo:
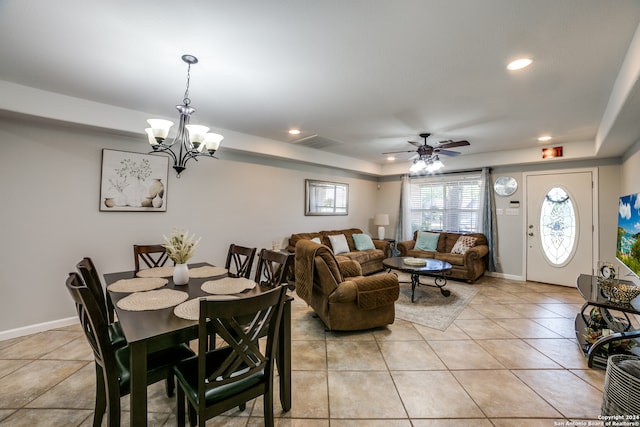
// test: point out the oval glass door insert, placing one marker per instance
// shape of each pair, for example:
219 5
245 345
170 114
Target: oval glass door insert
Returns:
558 231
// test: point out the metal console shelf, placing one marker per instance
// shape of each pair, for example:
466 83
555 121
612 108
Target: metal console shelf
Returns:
614 316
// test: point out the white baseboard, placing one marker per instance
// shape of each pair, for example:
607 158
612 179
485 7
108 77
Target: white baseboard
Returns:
505 276
39 327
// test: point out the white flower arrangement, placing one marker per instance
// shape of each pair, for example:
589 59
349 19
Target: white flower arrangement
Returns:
180 245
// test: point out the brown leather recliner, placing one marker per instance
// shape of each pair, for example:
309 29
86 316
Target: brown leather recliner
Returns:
339 294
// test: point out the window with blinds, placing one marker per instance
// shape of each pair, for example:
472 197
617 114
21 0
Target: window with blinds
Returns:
446 203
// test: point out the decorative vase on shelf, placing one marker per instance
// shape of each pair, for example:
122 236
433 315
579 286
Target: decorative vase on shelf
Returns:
156 188
157 201
180 274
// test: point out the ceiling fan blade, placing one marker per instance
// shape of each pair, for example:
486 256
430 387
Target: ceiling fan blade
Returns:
451 144
404 151
447 152
417 144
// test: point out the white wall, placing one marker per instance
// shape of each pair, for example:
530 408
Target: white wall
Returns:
50 174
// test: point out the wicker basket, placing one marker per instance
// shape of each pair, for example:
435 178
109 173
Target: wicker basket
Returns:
621 388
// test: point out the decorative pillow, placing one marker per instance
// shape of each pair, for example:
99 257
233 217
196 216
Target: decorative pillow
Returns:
363 242
316 240
427 241
463 244
339 244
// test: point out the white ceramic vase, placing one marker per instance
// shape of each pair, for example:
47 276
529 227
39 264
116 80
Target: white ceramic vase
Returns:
181 274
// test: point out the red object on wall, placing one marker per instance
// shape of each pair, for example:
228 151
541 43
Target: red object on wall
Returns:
548 153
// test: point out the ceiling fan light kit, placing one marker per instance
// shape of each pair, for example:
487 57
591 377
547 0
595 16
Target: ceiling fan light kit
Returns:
427 157
191 139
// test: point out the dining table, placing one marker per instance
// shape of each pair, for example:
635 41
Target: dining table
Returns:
151 330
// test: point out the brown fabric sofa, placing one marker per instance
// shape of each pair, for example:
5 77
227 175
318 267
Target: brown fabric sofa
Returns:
336 290
370 260
469 266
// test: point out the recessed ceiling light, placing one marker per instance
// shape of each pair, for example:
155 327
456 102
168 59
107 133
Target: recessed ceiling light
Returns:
391 158
519 64
294 131
544 138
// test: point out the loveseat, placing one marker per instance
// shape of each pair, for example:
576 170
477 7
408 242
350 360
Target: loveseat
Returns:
336 290
468 265
370 259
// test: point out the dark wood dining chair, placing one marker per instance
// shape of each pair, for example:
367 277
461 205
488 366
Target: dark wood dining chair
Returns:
151 255
240 260
112 365
91 278
272 269
229 376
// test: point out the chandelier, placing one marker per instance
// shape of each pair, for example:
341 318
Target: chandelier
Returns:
191 140
427 163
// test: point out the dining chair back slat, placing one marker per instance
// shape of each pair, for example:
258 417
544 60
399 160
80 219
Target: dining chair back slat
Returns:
272 268
241 370
151 255
240 260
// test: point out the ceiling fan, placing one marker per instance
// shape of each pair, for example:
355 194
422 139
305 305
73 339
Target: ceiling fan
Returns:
425 150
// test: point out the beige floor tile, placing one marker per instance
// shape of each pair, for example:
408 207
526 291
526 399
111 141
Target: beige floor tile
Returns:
540 298
526 328
516 354
364 395
78 349
553 386
451 333
502 394
307 328
366 335
5 413
370 423
465 355
410 356
38 345
565 310
466 422
434 394
470 313
46 417
25 384
8 343
354 356
595 377
483 329
400 330
560 325
8 366
308 355
562 351
285 422
532 311
310 397
77 391
495 311
530 422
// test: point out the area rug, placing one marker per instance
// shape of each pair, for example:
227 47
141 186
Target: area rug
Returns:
431 308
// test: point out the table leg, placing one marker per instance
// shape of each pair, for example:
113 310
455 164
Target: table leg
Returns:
415 281
283 360
138 396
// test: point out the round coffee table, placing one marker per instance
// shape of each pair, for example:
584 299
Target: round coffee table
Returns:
433 267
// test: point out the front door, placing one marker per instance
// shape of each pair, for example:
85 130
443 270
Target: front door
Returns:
559 226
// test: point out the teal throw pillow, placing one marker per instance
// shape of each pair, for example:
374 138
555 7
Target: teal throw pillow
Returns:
427 241
363 242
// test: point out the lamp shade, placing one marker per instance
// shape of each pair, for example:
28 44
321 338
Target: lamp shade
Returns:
381 219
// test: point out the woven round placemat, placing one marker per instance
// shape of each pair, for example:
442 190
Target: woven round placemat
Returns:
152 300
190 310
137 284
228 285
207 271
156 272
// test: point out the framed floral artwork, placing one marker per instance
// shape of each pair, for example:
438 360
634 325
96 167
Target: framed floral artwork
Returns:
133 182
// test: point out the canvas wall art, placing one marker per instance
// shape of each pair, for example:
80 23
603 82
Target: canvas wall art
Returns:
628 240
133 182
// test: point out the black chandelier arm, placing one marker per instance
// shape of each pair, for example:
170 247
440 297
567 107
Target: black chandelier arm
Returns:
164 149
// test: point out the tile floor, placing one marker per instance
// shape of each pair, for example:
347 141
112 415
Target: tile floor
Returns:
509 359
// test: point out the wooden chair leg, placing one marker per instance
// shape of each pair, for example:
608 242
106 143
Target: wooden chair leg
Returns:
170 385
180 405
101 399
268 407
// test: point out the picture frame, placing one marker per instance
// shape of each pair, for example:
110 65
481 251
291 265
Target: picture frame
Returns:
326 198
133 182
